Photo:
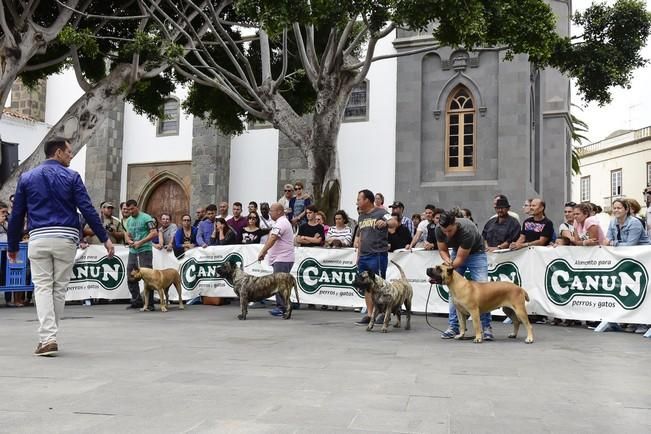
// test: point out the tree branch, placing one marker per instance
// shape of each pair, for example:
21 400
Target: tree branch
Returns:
103 17
83 83
49 33
49 63
310 72
344 36
311 50
5 28
358 65
358 39
28 10
281 78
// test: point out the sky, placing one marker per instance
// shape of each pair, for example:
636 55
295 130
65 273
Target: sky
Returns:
629 109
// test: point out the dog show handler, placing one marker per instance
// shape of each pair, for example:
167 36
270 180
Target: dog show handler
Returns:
280 246
372 241
462 236
141 229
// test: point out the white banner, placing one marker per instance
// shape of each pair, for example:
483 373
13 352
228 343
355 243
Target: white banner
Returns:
585 283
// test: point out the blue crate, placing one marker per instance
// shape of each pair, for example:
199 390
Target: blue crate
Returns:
16 273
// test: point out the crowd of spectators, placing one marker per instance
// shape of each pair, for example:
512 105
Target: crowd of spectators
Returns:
213 225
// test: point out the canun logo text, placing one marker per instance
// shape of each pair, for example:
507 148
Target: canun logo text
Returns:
194 272
108 273
625 283
312 276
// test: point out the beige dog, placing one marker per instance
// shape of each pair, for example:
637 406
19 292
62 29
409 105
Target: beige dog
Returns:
158 280
473 298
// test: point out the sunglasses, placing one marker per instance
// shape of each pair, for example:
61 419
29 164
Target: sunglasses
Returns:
298 188
289 190
253 218
187 220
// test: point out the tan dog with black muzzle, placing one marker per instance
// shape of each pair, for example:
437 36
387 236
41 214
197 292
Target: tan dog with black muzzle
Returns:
473 298
158 280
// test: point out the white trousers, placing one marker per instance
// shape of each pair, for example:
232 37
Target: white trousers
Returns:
51 261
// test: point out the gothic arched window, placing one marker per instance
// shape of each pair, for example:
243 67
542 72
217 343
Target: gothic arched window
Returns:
460 135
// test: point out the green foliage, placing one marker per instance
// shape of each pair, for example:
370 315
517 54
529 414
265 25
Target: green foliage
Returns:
84 39
608 51
148 95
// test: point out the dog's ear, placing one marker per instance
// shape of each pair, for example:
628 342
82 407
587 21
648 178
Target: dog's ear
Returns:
450 270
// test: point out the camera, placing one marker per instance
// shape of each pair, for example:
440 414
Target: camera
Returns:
109 227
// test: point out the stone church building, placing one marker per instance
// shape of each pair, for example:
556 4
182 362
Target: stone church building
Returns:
449 127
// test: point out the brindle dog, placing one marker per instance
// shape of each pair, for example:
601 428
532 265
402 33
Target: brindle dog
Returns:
158 280
254 288
388 297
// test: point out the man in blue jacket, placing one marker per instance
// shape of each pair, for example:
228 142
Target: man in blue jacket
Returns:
49 195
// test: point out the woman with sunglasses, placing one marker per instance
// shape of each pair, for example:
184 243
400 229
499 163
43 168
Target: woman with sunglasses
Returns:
625 229
299 204
251 233
185 237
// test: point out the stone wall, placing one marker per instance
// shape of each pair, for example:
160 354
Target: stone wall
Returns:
30 102
104 158
211 157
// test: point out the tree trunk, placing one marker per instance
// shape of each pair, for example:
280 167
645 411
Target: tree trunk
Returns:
80 122
323 157
318 141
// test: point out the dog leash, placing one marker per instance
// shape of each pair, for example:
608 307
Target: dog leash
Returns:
248 265
426 304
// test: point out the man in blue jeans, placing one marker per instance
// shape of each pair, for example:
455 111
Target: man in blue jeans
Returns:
372 242
462 236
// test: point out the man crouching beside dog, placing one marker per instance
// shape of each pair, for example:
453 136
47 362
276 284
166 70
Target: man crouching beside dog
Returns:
468 253
279 250
471 297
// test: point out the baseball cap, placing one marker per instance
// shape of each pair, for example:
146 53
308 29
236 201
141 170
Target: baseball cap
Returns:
397 204
289 187
107 205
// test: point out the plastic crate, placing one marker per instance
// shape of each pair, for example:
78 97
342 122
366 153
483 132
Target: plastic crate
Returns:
16 274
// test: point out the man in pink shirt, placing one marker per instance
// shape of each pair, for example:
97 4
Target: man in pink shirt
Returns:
280 246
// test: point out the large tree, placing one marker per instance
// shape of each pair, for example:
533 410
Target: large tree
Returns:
27 29
116 55
294 63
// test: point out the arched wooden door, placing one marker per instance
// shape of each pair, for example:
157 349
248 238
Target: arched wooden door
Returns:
169 197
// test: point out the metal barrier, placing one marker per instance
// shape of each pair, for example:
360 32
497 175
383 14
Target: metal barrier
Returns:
16 275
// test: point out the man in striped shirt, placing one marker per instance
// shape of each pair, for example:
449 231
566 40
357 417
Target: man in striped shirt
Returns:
50 195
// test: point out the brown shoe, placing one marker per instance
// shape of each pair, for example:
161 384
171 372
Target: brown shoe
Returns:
50 349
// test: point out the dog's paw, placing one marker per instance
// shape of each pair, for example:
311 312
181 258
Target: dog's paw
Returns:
396 325
459 336
477 340
143 309
240 316
511 336
528 341
163 309
385 330
369 329
181 307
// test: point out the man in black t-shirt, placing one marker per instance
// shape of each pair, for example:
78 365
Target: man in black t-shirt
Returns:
537 230
310 234
463 237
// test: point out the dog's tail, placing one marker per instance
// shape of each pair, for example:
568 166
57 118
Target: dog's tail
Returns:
295 290
402 272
